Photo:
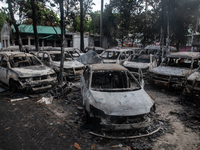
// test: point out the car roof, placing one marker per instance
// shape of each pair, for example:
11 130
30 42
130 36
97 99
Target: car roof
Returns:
96 67
185 54
52 52
119 50
8 53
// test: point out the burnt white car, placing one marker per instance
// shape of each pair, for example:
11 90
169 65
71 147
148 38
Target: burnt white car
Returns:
115 56
143 62
175 69
72 67
192 85
23 71
114 96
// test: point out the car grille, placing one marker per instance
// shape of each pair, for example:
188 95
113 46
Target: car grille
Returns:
40 77
161 77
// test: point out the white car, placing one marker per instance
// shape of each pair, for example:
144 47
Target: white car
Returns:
115 56
72 68
23 71
114 96
143 62
175 69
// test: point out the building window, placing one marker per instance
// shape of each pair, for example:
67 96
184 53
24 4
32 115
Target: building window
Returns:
25 41
32 42
3 43
6 43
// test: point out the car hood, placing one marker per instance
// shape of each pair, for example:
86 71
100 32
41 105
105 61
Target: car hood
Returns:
129 103
135 64
68 64
194 76
174 71
31 71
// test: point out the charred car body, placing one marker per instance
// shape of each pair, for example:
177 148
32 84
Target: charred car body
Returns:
72 68
192 85
98 50
114 96
115 56
175 69
137 62
23 71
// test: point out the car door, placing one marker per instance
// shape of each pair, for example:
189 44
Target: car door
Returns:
4 69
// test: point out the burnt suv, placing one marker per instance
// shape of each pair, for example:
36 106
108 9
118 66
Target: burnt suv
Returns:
23 71
175 69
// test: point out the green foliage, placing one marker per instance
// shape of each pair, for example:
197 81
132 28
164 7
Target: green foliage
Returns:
94 24
76 25
44 16
3 18
183 17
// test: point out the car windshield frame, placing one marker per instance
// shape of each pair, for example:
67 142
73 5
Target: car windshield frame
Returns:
108 85
23 61
180 62
114 56
67 57
137 58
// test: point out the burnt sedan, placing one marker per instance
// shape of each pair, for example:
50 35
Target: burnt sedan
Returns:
23 71
143 62
175 69
114 96
72 68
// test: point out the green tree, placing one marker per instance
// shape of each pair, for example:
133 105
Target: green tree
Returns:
183 17
94 24
3 18
126 10
110 25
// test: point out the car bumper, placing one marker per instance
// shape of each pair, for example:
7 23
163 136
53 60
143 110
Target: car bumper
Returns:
40 85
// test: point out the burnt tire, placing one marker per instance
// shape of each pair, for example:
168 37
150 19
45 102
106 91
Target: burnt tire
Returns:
14 86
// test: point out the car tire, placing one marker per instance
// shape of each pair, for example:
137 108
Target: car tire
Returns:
14 86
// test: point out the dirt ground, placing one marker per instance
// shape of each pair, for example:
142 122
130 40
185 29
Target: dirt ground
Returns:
27 124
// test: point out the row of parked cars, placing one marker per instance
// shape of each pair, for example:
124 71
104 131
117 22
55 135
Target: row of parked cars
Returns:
113 89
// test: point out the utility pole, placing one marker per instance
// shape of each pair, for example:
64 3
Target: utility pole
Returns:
81 18
62 24
101 25
161 31
168 25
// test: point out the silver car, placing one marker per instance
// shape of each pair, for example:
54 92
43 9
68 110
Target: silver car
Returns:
114 96
23 71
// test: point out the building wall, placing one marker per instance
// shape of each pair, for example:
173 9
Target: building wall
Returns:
6 35
76 40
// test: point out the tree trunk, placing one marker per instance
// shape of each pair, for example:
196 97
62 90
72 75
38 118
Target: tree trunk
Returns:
62 40
81 27
35 25
15 25
101 25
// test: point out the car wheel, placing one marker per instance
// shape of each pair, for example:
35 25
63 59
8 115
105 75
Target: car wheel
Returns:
14 86
86 118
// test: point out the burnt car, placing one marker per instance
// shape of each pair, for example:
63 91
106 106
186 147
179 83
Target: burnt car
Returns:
118 56
72 68
191 87
175 69
23 71
137 62
98 50
114 96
